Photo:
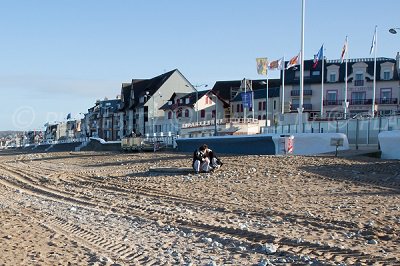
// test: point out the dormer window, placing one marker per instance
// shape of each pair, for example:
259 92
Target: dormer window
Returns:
386 75
333 73
332 77
359 79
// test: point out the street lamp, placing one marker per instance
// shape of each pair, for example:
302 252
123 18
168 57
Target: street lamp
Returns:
197 99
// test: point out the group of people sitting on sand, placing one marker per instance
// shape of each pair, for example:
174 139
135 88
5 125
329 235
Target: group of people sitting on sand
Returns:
204 160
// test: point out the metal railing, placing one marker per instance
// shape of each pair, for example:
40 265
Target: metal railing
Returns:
358 131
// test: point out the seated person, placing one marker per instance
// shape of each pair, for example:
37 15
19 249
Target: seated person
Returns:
204 160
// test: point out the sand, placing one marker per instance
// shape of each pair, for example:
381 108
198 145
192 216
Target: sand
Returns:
92 208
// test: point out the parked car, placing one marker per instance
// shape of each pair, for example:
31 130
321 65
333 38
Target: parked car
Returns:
151 145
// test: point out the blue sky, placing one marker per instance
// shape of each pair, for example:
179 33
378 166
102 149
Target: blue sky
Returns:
58 57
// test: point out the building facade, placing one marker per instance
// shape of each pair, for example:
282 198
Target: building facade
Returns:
329 96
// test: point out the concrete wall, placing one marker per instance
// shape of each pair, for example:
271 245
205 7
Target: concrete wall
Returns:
259 144
390 144
314 143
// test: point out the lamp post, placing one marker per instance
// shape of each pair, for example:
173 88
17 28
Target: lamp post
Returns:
266 102
215 117
197 98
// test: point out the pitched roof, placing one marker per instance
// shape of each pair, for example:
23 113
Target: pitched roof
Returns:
370 67
224 88
290 74
261 94
192 97
140 87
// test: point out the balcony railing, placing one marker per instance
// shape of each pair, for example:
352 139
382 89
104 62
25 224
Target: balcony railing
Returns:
306 106
359 83
297 93
360 101
220 122
333 102
387 101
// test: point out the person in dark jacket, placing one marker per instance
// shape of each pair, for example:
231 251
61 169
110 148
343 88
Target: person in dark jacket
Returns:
204 160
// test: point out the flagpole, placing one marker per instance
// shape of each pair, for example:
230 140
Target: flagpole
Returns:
374 86
300 109
266 104
322 83
244 107
345 77
283 85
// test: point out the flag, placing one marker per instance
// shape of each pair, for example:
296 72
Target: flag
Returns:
318 56
277 64
373 44
262 64
69 116
344 51
294 61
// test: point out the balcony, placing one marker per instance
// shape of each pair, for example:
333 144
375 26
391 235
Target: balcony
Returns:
359 83
297 92
387 101
333 102
306 106
360 101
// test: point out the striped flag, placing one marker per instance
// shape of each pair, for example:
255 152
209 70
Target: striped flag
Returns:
344 50
318 56
373 44
293 61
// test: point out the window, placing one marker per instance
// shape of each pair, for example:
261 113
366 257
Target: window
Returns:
358 97
169 115
187 100
186 113
241 108
213 113
315 73
386 95
386 75
332 77
264 103
203 113
259 117
274 104
179 113
331 97
259 106
359 79
238 108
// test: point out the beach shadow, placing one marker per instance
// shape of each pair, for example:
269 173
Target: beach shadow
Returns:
366 171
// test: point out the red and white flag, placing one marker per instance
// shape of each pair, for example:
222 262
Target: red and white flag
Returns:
277 64
293 61
344 50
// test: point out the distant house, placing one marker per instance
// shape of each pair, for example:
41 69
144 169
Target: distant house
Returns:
141 100
191 114
102 120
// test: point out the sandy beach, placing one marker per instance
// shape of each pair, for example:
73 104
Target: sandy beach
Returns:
92 208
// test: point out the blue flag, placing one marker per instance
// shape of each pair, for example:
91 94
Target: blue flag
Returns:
318 56
247 99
